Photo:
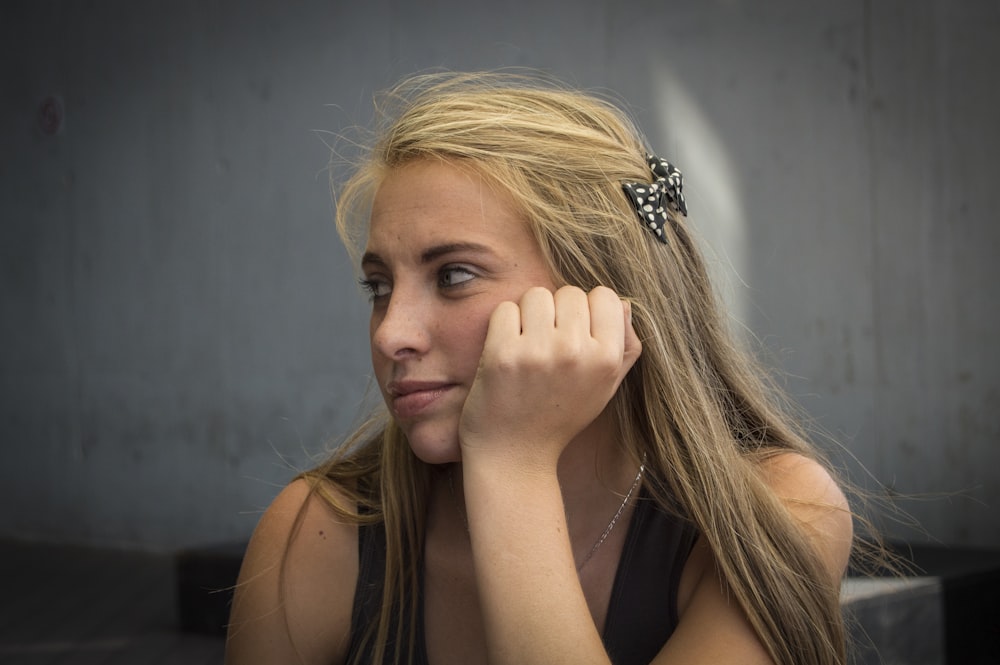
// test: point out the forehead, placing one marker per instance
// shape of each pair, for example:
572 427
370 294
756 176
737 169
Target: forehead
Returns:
435 201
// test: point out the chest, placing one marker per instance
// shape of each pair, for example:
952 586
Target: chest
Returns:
453 623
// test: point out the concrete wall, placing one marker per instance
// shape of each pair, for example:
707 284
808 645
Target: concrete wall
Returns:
180 330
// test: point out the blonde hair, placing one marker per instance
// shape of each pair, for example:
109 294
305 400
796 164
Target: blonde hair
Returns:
695 407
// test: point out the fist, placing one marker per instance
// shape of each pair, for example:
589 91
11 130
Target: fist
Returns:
549 367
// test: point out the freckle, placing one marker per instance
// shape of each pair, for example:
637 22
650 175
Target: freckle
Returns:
322 534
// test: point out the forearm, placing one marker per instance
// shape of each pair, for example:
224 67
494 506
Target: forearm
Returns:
533 606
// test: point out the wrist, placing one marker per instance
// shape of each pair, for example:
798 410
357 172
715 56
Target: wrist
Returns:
511 506
509 457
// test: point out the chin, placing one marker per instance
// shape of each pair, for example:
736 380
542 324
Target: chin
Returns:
433 447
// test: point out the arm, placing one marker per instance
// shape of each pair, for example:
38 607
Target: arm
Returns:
303 615
530 399
549 368
551 621
713 629
534 609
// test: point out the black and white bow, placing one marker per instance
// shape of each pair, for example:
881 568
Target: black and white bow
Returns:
652 200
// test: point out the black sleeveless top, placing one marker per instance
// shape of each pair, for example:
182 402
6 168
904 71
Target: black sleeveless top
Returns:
642 611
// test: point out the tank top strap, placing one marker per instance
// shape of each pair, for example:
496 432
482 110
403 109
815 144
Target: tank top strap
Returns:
367 591
368 599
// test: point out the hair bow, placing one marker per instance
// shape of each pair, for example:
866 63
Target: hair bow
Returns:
651 201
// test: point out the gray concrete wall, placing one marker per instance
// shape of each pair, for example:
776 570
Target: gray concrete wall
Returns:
180 330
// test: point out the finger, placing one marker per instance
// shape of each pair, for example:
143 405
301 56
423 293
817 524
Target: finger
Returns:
505 325
538 311
572 311
633 345
607 318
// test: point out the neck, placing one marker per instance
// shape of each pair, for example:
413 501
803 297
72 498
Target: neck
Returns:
594 469
595 475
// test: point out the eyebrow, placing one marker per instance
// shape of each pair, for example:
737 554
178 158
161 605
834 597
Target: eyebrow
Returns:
434 253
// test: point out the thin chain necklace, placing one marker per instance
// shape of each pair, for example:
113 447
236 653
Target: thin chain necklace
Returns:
604 535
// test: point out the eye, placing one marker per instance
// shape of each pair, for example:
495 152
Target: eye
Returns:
453 276
376 288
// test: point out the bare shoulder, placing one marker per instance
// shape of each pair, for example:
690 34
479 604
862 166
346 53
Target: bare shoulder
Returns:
714 629
816 502
295 592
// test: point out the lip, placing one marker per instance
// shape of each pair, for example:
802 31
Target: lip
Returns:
410 398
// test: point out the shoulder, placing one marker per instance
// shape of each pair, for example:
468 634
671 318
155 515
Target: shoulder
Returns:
713 628
296 587
817 504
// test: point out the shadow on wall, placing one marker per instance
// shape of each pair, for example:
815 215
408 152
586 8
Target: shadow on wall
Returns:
714 193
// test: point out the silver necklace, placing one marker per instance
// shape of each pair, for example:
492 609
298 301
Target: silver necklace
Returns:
614 520
604 535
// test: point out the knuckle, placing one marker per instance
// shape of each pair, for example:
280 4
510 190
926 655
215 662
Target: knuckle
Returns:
503 359
571 351
607 362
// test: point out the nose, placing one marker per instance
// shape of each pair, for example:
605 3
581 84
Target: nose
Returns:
401 329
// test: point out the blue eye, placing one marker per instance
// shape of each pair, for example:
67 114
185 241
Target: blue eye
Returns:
453 276
376 288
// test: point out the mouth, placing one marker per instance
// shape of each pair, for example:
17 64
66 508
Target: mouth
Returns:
408 399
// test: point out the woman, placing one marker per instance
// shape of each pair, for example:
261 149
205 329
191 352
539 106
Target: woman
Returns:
575 464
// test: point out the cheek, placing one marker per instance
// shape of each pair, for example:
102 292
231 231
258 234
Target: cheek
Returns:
467 335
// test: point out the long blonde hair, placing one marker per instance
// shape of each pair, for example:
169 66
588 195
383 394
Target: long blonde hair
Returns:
695 407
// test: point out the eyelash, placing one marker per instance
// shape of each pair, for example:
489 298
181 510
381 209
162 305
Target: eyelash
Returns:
373 286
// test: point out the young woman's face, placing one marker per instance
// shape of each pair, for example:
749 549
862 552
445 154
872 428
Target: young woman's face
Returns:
443 251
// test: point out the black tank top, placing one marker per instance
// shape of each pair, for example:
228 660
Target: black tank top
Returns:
642 611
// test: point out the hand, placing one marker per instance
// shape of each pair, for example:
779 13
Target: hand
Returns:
550 364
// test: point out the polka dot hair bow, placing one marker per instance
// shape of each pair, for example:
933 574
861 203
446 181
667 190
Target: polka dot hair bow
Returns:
653 200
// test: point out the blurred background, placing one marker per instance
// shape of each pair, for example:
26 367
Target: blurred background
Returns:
181 332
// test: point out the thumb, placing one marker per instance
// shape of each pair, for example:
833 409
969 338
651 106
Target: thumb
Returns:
633 347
